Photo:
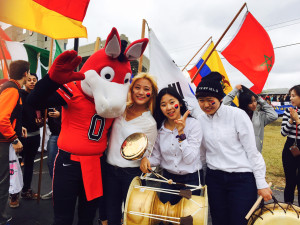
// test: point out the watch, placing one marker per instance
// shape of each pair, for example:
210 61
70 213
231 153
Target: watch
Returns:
15 141
181 137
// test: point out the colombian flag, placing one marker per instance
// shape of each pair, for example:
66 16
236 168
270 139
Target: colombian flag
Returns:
59 19
213 64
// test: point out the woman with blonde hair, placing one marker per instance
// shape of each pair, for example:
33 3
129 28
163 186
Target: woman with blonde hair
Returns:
136 118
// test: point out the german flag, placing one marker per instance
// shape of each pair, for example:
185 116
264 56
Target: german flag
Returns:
59 19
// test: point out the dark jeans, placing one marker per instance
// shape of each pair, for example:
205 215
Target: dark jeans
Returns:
291 166
4 180
52 150
102 211
230 196
30 148
191 178
67 187
116 184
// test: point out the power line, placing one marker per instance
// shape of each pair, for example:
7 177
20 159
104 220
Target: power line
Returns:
192 45
282 46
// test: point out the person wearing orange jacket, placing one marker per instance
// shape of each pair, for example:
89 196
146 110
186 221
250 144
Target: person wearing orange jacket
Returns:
10 126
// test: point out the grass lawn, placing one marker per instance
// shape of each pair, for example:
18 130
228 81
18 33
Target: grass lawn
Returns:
272 150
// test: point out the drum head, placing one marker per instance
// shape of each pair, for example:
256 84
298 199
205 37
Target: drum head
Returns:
275 215
134 146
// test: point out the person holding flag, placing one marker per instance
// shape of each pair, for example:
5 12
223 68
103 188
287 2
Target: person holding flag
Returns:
235 169
260 117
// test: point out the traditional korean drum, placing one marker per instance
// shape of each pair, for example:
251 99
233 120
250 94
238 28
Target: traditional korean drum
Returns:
134 146
276 214
143 207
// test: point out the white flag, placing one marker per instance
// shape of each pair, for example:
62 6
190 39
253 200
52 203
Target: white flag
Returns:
168 74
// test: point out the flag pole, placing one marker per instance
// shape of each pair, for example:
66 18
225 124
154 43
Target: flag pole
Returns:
142 36
196 53
97 44
194 77
44 131
2 51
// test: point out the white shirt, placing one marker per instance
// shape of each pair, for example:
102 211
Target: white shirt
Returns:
229 143
178 158
121 129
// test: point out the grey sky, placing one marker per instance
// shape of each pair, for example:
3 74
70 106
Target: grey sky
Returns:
183 26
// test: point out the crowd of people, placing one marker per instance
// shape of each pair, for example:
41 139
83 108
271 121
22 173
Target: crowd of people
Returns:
220 148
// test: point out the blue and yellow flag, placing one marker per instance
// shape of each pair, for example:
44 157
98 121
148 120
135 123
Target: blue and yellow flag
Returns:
214 64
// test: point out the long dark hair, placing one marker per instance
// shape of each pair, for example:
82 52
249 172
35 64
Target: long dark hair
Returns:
245 99
158 114
296 88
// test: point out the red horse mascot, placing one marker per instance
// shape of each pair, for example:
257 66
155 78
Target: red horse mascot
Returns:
91 99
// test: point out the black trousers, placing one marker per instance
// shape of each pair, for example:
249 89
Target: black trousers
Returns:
67 189
291 166
30 148
116 183
230 196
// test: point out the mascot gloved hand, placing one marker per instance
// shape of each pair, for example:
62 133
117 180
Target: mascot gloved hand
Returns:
62 69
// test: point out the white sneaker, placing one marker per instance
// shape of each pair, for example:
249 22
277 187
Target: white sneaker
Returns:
47 196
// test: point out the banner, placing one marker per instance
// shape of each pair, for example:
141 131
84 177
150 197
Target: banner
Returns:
168 74
213 64
251 52
59 19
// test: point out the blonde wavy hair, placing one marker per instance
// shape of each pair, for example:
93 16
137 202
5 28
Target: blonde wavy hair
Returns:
151 79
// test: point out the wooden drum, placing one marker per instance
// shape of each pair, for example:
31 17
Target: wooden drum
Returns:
143 207
276 214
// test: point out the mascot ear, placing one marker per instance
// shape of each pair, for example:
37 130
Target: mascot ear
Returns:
136 49
113 44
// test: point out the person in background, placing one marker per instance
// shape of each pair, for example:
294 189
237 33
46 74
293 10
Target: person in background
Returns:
10 126
136 118
248 101
290 127
235 169
177 147
32 121
54 124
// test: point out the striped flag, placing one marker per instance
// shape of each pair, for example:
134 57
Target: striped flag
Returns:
59 19
213 64
38 57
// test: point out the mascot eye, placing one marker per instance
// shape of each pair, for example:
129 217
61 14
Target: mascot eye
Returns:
107 73
127 78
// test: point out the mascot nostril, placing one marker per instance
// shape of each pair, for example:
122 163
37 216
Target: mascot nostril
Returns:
89 106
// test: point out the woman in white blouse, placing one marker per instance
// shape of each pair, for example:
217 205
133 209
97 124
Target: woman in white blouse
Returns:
235 169
177 147
137 118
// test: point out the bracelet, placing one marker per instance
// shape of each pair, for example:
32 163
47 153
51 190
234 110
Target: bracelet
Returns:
181 137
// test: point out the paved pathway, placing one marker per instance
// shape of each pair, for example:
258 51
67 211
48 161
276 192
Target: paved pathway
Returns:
31 213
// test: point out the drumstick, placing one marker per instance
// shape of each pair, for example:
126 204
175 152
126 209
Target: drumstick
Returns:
256 204
160 176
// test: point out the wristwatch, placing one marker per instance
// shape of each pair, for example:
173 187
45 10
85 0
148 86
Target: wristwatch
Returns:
181 137
15 141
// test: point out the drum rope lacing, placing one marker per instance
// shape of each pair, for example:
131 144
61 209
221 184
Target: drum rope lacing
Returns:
168 191
263 207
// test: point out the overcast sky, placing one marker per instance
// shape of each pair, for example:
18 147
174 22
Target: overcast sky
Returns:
183 27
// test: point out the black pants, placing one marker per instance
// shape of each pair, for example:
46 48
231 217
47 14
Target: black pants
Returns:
291 166
4 180
67 188
30 148
230 196
116 183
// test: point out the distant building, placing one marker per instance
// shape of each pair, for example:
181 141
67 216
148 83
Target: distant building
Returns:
275 91
32 38
85 51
